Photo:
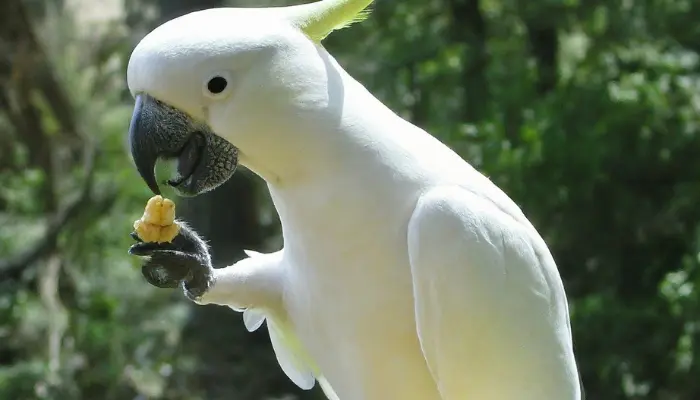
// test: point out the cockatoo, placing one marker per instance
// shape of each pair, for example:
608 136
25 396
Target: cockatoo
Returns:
405 273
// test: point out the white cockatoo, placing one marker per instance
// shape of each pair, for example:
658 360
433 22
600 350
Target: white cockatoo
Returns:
405 273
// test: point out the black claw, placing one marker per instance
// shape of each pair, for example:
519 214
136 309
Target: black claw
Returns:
136 237
143 249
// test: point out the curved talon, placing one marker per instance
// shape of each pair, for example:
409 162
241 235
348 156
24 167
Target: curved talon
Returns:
136 237
143 249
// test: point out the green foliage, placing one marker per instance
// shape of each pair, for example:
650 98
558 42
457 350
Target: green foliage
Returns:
101 333
586 113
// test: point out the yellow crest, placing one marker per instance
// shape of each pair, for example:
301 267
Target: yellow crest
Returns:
317 20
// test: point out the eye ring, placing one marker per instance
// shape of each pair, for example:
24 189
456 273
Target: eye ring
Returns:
217 85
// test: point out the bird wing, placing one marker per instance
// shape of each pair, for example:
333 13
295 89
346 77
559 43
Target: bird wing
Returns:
491 312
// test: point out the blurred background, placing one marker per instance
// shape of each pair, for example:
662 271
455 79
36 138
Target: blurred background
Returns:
587 113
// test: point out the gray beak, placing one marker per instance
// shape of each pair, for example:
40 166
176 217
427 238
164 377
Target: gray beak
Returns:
159 131
145 147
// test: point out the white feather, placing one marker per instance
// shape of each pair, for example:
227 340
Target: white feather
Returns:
327 389
290 357
252 253
253 319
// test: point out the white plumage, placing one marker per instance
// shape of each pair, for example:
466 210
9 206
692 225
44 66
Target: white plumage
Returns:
405 273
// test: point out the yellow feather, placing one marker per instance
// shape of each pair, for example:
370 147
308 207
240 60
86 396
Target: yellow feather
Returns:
317 20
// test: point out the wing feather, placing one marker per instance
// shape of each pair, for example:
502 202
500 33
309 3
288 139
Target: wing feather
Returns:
290 354
491 312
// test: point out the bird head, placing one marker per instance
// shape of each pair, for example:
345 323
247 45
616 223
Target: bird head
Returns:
219 85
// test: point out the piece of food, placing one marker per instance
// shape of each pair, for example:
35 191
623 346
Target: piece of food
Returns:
157 225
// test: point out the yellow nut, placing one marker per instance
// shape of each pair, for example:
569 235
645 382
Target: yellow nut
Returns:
159 211
157 225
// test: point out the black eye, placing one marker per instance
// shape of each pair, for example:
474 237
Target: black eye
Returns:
217 84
